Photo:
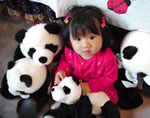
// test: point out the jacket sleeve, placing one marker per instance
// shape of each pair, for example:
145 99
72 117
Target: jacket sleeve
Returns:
108 78
64 65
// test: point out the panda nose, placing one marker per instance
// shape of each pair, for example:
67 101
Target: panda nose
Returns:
26 79
43 59
52 90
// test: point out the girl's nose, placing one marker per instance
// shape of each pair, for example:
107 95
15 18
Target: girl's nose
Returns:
86 43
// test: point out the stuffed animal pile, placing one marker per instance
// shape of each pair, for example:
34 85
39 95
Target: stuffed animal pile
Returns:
27 76
73 104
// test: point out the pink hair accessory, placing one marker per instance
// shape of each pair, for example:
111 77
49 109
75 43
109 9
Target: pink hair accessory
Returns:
67 18
103 22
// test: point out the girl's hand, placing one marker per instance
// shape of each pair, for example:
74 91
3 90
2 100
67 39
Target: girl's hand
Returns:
85 87
59 76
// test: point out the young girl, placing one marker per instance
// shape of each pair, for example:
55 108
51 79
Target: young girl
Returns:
86 54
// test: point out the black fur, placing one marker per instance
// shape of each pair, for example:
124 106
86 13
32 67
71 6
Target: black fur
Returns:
129 98
109 110
81 109
11 64
20 35
18 54
51 47
129 52
53 28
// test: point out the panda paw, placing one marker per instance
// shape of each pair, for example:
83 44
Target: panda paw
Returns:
55 105
48 116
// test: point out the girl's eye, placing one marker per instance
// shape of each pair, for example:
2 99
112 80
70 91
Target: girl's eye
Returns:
78 39
92 37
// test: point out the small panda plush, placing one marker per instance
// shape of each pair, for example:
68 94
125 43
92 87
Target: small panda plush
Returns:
27 80
135 57
41 42
75 105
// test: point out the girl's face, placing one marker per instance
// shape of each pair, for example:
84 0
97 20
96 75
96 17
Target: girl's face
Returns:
88 45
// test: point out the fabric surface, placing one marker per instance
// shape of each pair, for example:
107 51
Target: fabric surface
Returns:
126 14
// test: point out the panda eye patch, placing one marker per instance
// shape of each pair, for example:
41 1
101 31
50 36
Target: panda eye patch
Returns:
66 90
31 51
51 47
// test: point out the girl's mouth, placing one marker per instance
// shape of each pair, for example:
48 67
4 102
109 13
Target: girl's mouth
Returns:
86 52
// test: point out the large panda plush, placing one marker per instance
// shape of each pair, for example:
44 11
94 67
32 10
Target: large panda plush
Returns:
41 42
29 81
71 103
135 56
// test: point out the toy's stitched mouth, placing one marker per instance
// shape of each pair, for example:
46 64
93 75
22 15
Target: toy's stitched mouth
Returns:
23 93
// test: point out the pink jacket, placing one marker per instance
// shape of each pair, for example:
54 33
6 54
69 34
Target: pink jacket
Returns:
100 71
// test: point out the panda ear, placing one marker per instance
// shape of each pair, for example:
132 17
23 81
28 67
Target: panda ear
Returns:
11 64
20 35
53 28
76 80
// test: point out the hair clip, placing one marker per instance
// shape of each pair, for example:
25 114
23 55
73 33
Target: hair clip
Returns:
67 18
103 22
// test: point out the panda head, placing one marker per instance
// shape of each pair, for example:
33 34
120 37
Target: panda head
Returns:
41 42
68 91
135 52
25 77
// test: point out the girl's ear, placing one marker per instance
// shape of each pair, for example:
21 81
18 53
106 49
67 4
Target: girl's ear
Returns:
20 35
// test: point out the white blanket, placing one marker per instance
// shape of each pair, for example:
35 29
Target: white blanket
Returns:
136 16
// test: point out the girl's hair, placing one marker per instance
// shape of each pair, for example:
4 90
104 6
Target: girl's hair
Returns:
81 18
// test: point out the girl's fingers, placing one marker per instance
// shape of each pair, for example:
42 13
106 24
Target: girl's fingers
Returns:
59 76
57 80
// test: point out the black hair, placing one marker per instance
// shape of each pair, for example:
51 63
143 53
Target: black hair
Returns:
85 18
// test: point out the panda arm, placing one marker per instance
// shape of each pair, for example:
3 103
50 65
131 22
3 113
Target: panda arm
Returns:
18 54
56 113
4 89
85 107
147 80
51 112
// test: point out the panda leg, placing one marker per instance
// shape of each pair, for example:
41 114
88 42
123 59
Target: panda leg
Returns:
4 89
29 108
50 114
26 108
109 110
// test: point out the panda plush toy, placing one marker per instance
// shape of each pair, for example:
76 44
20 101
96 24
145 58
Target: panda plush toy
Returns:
40 42
135 58
134 73
70 103
29 81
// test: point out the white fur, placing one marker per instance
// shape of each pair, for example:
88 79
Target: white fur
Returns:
55 105
48 116
60 96
37 37
29 67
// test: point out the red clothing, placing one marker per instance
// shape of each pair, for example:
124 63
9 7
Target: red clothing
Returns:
100 71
